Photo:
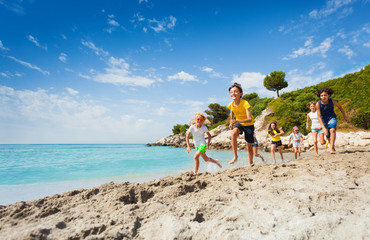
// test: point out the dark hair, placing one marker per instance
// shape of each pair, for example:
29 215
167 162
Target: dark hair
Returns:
329 91
269 130
238 86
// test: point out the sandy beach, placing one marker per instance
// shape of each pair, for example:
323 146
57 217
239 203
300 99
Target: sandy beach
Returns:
324 197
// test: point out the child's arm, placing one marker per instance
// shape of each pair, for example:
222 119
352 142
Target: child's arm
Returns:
301 139
342 110
209 139
281 133
308 121
320 120
187 142
290 138
232 121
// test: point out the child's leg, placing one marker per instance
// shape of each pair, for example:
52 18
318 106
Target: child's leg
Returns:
322 140
273 147
196 161
332 139
208 159
280 148
234 136
250 153
299 151
255 151
314 138
295 152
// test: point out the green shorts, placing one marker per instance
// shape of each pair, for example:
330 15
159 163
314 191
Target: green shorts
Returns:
202 148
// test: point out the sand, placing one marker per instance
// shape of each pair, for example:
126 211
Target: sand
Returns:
324 197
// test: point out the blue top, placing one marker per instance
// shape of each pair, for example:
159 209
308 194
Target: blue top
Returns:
327 110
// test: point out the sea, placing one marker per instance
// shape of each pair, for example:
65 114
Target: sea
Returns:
33 171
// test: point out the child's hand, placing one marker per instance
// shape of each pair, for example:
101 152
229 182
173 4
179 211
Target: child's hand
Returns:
188 149
325 131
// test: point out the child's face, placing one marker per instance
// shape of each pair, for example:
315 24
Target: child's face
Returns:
295 131
235 93
273 126
199 120
313 108
324 96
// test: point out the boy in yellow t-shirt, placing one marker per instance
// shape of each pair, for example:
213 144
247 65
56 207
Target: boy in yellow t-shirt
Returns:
244 122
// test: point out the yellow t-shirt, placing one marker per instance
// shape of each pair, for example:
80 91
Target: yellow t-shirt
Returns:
240 111
275 139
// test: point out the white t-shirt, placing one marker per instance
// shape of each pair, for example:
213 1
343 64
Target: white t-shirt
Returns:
315 120
198 134
296 137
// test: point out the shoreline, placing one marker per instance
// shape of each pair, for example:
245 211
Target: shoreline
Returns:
316 197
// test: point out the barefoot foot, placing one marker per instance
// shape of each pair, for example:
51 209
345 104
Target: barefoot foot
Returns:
235 159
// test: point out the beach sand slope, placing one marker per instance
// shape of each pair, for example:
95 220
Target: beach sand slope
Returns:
324 197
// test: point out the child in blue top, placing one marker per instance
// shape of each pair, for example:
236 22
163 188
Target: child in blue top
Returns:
326 115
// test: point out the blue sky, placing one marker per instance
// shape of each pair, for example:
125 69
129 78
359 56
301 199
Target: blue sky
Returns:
128 71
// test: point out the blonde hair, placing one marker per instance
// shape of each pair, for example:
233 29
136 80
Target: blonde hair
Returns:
200 115
310 103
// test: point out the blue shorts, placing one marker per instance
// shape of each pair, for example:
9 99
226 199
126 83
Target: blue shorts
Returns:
332 123
248 132
255 144
319 131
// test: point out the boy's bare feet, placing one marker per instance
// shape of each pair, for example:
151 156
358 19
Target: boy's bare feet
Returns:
235 159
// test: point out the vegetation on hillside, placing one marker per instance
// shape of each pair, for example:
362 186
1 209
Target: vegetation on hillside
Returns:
351 91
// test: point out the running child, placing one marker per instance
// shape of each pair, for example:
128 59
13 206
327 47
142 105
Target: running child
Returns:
198 130
275 132
297 139
255 148
316 128
326 115
244 122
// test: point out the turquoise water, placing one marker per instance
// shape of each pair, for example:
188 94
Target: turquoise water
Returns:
29 172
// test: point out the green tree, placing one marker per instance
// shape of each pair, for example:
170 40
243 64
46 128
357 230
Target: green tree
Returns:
250 96
275 81
217 112
179 129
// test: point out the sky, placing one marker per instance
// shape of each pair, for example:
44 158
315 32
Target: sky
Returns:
127 71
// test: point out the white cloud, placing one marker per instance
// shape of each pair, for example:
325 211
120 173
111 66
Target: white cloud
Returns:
183 76
331 7
13 6
207 69
63 57
2 47
98 51
162 25
84 76
72 91
113 22
347 51
298 79
29 65
309 49
161 111
252 82
44 117
4 75
118 74
212 72
36 42
366 44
